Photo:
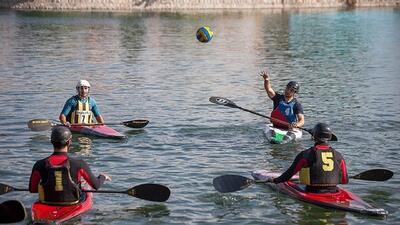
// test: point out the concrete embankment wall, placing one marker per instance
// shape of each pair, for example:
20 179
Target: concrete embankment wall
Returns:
132 5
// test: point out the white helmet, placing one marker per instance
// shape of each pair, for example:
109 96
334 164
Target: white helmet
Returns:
82 83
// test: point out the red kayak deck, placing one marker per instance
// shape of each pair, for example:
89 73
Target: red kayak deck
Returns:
342 200
42 213
97 130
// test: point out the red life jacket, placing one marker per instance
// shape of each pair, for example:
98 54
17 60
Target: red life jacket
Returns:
284 112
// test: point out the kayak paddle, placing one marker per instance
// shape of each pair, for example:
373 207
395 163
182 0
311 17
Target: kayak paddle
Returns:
4 189
232 183
44 124
150 192
12 211
134 123
374 175
40 124
231 104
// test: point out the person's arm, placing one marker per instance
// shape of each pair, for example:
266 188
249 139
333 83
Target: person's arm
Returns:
96 111
345 178
299 162
267 84
100 119
300 116
90 178
65 111
63 119
300 121
34 179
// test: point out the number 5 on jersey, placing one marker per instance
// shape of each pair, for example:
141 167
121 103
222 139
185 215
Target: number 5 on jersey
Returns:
327 159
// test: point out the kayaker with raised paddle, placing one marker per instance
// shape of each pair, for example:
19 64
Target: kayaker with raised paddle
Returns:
321 167
80 108
58 178
286 107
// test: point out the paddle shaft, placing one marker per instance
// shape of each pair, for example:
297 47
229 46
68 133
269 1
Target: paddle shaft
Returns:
106 191
91 124
96 191
280 121
149 191
19 189
370 175
44 124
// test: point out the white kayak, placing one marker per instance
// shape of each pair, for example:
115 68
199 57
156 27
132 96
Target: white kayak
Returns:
279 136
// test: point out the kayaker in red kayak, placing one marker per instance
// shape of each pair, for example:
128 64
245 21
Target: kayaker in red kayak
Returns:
79 108
321 167
286 107
57 178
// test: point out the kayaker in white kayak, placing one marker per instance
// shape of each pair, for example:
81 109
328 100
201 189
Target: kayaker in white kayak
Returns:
321 167
286 107
58 178
80 108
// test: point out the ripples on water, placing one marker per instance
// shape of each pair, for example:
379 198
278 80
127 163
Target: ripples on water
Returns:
149 65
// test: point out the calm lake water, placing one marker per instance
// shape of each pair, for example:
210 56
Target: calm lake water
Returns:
150 65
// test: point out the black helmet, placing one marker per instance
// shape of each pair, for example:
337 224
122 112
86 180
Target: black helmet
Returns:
321 132
60 135
294 85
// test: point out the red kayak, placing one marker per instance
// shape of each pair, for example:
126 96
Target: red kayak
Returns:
342 200
44 214
98 130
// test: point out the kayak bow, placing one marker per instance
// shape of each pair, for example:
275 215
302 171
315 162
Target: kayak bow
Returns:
44 214
342 200
278 136
103 131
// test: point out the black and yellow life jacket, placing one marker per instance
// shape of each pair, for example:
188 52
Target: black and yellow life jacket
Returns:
325 171
58 188
81 114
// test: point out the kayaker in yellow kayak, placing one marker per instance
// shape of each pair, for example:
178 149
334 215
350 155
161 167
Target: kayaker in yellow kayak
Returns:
321 167
57 178
80 108
286 107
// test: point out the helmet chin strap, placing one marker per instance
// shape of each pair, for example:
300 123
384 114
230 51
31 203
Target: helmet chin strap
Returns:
69 143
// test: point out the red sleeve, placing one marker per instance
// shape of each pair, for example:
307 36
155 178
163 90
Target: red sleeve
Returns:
94 182
82 173
345 178
34 181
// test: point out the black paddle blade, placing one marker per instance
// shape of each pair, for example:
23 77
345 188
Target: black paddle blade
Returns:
4 188
12 211
150 192
135 123
374 175
222 101
39 124
231 183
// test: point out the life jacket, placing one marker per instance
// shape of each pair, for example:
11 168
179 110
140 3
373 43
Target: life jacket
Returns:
284 112
59 188
325 171
81 114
